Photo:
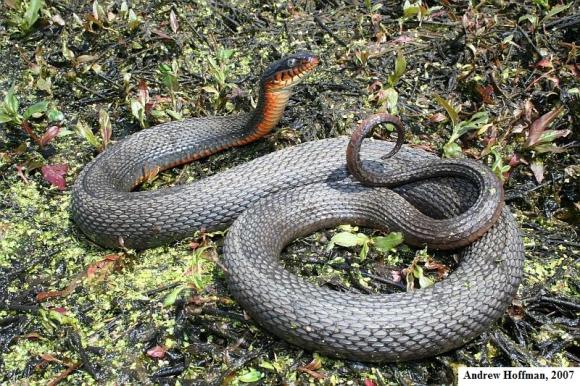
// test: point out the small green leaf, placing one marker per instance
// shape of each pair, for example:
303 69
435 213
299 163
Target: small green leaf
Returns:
400 67
425 281
348 228
268 365
345 239
5 118
31 14
138 111
11 103
36 110
411 11
250 376
475 122
531 18
551 135
556 9
451 111
55 115
452 150
388 242
392 98
172 297
85 132
225 54
364 250
174 115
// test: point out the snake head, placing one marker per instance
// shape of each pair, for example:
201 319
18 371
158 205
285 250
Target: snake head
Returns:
288 71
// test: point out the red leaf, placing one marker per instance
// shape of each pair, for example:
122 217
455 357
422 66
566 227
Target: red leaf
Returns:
540 125
545 63
516 159
370 382
55 175
157 352
143 92
49 135
27 128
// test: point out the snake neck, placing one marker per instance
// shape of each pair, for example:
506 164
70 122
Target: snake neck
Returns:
267 114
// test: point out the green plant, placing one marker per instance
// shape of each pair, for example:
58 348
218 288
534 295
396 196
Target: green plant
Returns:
169 75
9 109
10 114
197 275
416 272
219 68
28 16
85 132
475 122
498 166
105 130
387 98
349 237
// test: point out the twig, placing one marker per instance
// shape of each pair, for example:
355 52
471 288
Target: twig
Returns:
564 22
383 280
561 302
93 92
329 31
75 342
61 377
530 41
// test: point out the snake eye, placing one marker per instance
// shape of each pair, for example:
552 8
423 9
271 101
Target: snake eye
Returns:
291 62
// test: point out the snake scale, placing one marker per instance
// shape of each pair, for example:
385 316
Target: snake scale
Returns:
296 191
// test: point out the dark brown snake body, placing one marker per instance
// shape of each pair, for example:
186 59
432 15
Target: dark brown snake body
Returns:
291 193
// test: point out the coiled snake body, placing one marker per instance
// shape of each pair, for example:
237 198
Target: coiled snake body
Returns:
290 193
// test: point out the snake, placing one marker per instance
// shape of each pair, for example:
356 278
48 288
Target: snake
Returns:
266 203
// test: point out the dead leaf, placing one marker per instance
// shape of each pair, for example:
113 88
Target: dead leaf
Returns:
32 336
173 22
102 268
529 110
440 269
20 172
486 93
161 34
537 167
437 117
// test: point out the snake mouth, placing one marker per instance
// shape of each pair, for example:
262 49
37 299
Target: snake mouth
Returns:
288 72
